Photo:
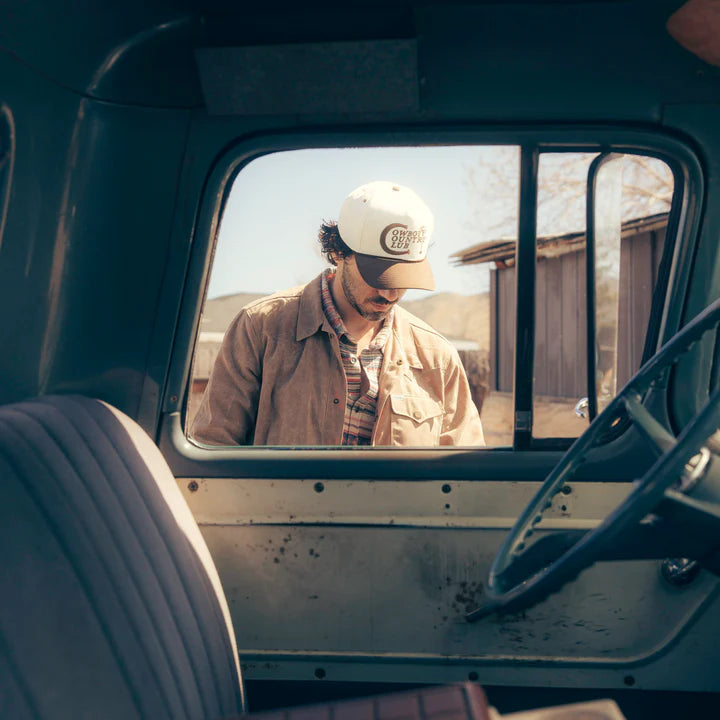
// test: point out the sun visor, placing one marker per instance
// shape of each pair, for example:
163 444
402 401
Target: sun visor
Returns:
313 78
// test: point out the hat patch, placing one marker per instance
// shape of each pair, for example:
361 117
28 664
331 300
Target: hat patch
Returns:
396 239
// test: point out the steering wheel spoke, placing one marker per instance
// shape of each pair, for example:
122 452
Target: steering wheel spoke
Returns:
651 429
524 574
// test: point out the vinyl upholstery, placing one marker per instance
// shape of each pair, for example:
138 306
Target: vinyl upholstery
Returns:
110 605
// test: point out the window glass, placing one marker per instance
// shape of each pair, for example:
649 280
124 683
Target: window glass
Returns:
268 242
639 191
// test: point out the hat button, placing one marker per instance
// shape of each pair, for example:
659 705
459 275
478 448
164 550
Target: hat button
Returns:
396 188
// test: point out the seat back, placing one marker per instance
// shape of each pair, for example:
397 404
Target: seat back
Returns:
110 605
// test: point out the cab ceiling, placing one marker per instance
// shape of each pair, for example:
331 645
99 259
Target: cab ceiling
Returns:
457 59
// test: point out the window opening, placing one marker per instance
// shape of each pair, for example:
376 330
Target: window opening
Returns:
268 242
625 272
515 310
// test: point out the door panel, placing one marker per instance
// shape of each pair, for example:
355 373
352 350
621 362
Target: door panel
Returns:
375 578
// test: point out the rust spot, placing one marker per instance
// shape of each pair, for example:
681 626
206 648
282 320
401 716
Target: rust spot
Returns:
468 596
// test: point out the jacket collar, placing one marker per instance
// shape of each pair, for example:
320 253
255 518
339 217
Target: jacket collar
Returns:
311 317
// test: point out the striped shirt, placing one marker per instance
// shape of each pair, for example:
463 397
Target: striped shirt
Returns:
360 410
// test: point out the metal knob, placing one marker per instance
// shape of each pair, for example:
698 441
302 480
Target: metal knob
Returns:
581 407
679 571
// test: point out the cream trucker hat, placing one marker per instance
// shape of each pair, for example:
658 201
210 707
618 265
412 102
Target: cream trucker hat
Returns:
388 227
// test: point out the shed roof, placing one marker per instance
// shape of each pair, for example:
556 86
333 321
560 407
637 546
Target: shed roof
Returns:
502 251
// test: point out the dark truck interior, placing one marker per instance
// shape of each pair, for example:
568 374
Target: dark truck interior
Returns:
157 162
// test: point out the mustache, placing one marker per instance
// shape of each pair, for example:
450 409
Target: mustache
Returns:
382 301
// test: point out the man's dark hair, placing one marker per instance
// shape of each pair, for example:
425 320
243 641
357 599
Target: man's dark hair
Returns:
331 243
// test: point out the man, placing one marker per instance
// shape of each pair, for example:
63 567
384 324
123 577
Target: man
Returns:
337 362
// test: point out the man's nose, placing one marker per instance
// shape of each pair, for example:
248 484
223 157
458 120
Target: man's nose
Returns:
389 295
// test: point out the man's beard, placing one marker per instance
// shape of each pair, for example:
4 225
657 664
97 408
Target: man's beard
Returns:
372 315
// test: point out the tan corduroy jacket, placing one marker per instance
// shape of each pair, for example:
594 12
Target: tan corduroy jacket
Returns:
279 380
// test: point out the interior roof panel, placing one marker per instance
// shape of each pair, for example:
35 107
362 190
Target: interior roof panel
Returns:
143 52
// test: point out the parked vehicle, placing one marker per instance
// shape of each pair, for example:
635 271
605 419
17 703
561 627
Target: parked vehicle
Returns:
162 164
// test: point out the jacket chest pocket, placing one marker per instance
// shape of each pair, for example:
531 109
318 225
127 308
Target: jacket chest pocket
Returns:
416 421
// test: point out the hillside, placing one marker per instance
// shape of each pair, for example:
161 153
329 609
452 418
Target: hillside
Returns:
456 316
219 312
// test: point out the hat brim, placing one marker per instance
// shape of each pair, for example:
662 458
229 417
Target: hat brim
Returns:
389 274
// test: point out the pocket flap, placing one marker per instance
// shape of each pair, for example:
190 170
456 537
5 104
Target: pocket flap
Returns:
416 408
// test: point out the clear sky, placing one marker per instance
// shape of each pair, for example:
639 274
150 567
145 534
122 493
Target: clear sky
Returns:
268 234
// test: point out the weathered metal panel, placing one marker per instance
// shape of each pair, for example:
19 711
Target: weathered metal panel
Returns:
382 574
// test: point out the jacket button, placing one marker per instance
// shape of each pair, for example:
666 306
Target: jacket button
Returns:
417 415
336 401
400 361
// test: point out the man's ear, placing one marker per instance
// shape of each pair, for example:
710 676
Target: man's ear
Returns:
340 259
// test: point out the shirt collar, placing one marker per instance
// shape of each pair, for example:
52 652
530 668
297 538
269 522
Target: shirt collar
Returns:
328 305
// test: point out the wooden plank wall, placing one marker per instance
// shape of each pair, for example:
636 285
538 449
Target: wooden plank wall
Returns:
560 320
502 328
640 260
561 326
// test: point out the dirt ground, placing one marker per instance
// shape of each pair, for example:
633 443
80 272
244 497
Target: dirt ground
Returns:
553 418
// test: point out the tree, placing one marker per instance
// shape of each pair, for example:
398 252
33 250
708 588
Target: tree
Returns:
562 190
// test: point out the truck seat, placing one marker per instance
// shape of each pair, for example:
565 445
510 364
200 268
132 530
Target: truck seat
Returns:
110 605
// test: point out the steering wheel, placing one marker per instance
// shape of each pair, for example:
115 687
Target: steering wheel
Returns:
516 582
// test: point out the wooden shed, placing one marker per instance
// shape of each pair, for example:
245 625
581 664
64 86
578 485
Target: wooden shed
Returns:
560 320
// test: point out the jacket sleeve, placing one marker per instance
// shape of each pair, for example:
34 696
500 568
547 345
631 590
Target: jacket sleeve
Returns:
228 409
461 422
